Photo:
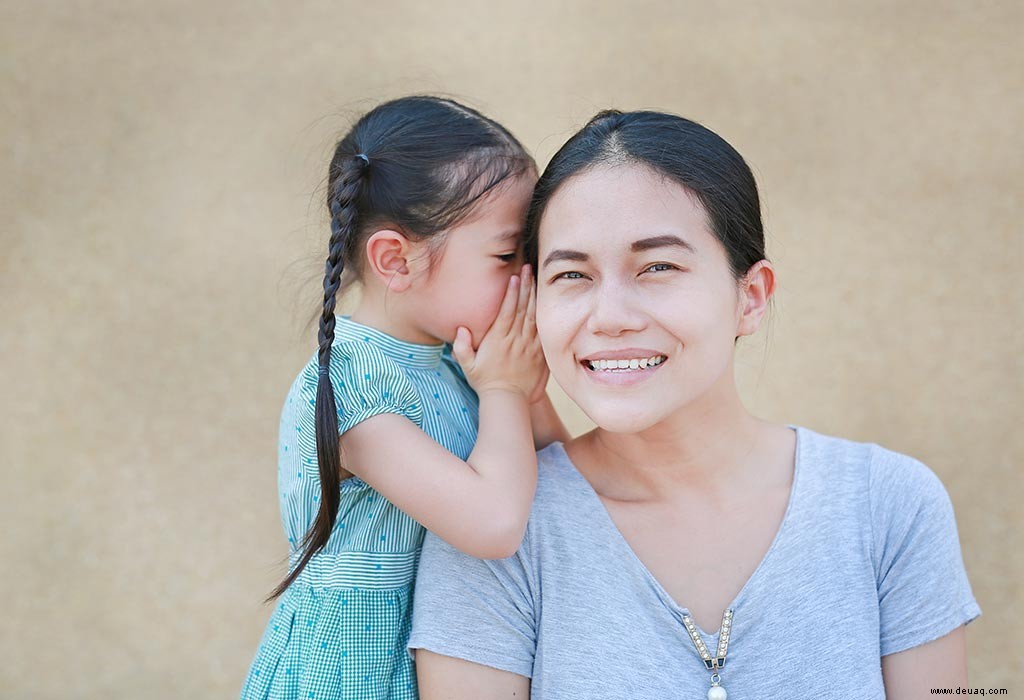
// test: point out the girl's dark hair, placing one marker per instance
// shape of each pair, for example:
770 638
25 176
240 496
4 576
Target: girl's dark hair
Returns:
677 148
419 165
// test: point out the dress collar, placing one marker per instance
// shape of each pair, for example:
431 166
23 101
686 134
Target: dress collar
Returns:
403 352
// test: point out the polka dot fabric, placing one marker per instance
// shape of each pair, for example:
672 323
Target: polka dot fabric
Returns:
340 630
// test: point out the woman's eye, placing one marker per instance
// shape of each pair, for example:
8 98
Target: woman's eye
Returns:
666 266
563 276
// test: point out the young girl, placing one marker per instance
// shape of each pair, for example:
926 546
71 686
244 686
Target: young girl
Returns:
379 433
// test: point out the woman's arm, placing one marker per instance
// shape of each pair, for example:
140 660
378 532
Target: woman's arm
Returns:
911 674
447 678
547 426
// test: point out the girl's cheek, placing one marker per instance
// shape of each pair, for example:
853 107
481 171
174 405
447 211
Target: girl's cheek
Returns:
497 296
488 311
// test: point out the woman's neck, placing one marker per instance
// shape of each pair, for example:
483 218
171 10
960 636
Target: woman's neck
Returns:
703 450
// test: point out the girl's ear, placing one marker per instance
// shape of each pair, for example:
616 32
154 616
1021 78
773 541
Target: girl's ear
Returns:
388 259
756 290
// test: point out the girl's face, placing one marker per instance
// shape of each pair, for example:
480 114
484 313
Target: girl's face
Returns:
466 285
628 270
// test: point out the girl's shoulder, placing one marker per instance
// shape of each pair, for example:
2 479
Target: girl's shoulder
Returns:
365 381
354 364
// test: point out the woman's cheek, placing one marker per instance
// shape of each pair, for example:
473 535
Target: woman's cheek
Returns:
544 329
551 328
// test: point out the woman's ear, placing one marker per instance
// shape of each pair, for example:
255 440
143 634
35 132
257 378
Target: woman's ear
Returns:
388 259
756 290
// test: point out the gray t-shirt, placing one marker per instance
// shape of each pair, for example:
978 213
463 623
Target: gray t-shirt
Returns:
866 563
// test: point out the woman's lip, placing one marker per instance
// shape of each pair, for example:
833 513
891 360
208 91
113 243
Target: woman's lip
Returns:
621 377
624 354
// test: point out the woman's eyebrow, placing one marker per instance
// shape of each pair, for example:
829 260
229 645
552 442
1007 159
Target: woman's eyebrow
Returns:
635 247
563 254
660 242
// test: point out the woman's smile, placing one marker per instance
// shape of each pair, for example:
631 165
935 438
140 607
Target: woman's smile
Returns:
623 367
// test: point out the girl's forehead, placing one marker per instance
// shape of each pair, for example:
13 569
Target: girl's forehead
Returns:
500 212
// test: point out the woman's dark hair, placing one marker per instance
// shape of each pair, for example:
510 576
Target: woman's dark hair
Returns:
677 148
419 165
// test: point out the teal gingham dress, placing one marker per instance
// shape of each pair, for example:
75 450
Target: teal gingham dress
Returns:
339 632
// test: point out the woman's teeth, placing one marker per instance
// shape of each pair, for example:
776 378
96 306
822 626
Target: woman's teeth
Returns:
625 365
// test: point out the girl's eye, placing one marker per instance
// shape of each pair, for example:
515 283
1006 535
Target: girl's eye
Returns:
507 257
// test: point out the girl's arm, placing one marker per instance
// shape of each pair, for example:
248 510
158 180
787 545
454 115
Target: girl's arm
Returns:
480 505
547 426
913 673
443 677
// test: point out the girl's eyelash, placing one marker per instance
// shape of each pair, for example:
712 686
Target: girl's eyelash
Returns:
507 257
562 275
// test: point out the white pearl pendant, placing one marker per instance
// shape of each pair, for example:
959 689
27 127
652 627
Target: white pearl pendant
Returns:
717 692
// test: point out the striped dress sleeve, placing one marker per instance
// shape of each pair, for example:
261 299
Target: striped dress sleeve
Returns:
367 383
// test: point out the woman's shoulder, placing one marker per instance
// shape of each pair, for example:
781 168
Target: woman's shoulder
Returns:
563 498
860 454
892 480
555 470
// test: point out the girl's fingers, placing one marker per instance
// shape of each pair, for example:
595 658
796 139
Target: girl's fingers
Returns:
525 285
462 348
530 319
503 321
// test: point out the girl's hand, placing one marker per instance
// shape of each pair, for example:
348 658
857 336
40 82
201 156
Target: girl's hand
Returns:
509 356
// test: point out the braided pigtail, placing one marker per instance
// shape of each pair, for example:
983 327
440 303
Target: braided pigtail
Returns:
433 162
343 206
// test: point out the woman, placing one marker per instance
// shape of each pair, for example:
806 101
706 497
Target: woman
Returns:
684 546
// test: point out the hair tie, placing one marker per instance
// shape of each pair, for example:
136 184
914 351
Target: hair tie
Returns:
325 369
363 156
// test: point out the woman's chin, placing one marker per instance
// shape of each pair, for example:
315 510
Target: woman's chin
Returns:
619 421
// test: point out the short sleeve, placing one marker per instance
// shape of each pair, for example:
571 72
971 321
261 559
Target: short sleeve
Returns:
367 383
923 590
474 609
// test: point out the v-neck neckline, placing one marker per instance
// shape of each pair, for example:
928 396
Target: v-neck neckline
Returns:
667 599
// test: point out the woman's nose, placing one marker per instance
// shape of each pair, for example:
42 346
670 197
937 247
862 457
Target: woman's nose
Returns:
615 309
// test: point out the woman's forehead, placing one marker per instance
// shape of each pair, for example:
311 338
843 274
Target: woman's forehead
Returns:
612 208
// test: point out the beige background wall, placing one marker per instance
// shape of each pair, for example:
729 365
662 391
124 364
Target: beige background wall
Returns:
161 251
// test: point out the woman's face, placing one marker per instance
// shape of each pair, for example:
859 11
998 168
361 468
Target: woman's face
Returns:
628 270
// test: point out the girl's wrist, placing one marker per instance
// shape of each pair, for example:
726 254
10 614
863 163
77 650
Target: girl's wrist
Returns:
497 389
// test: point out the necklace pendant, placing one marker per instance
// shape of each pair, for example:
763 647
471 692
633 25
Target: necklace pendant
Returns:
716 691
712 663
